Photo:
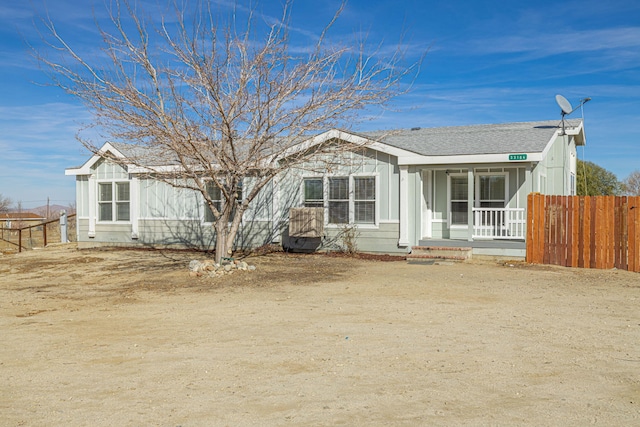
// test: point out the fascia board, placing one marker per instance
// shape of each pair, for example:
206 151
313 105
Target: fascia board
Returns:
466 159
347 137
85 169
578 133
153 169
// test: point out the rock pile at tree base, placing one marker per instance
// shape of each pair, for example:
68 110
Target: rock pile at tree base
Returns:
210 268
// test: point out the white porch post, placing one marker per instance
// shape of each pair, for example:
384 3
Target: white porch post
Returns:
92 205
427 196
134 206
470 193
403 241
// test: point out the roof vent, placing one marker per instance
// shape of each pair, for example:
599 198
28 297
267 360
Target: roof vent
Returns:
416 128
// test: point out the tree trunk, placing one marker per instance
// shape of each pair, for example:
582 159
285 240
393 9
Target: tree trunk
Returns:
222 247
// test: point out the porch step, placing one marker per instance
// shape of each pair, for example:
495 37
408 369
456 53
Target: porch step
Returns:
443 253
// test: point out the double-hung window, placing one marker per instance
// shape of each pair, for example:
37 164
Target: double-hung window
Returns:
347 199
113 201
364 200
339 200
313 193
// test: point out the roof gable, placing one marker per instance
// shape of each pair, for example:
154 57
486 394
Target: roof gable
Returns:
85 169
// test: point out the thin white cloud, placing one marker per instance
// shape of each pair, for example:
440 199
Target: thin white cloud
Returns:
543 45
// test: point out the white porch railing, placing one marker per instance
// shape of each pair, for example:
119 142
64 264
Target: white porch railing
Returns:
499 223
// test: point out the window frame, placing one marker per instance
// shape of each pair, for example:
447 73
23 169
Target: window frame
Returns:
114 202
351 198
307 202
451 200
365 200
478 201
336 200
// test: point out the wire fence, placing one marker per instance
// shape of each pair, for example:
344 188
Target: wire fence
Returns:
24 237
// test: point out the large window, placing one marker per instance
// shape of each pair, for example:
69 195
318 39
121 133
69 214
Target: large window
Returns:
459 203
348 199
491 191
113 201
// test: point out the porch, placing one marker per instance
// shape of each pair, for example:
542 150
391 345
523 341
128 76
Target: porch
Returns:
482 208
494 232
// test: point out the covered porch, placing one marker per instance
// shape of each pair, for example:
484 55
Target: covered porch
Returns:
483 207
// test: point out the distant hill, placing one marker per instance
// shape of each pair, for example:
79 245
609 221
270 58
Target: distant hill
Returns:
54 210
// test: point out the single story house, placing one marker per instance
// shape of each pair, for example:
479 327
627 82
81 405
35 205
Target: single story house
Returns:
20 219
466 184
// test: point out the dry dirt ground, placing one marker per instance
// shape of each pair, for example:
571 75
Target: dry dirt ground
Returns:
127 338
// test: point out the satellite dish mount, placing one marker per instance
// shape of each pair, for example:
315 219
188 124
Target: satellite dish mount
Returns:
566 107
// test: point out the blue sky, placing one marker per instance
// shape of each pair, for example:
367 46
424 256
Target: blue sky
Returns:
487 62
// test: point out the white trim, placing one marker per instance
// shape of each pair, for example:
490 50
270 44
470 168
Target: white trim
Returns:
426 183
93 204
114 201
476 198
347 137
85 169
403 240
134 205
449 200
351 183
465 159
549 145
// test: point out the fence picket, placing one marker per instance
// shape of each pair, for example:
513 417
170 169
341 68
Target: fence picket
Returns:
582 231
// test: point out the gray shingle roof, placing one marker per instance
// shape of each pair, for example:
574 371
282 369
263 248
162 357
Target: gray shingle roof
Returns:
526 137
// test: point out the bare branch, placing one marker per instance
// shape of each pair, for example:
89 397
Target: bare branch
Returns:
220 102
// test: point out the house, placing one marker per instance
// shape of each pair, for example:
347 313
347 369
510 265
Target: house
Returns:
394 190
20 219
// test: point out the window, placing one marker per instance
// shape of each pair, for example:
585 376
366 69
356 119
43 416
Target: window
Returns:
216 196
459 203
338 200
491 191
348 199
364 200
110 207
313 193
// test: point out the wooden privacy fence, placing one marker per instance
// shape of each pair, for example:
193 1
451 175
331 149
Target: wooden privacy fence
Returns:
583 231
37 235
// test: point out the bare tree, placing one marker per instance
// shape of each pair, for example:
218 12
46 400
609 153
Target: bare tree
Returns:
219 103
631 184
5 203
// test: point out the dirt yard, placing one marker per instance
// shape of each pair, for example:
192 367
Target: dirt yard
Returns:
128 338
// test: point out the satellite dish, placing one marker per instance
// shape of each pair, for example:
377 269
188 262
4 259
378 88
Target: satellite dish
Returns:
564 105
